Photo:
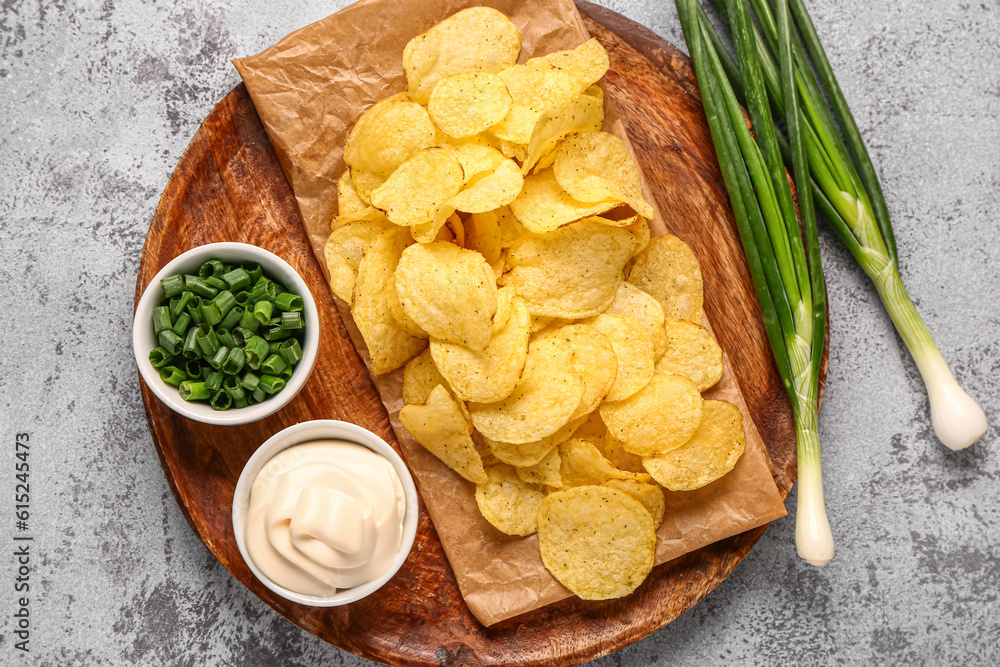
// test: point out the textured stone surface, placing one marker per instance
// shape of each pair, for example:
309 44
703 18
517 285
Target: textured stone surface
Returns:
98 101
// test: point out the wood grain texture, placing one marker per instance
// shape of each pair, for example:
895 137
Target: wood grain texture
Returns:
228 186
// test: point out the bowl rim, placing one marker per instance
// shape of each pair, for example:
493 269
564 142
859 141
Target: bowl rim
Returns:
309 431
143 339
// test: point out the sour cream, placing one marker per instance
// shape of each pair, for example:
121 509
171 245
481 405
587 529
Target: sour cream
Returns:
325 515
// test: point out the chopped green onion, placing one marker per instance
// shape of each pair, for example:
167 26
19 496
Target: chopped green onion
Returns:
234 361
210 313
172 375
232 320
159 357
253 270
213 379
170 341
161 319
172 286
193 368
277 333
194 391
219 357
263 290
207 340
249 381
199 287
221 400
248 320
241 336
231 385
262 311
225 301
182 323
271 384
286 373
210 268
194 309
225 337
257 350
237 279
292 321
178 304
242 297
288 302
273 364
291 351
259 395
216 283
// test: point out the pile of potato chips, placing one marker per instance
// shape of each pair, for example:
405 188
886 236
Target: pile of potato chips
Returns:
494 241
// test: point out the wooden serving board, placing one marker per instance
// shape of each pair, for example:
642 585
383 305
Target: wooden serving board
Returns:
228 186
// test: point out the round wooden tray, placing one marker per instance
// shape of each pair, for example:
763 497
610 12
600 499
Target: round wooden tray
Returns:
228 186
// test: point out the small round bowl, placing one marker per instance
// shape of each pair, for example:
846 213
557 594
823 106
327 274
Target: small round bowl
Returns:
144 340
324 429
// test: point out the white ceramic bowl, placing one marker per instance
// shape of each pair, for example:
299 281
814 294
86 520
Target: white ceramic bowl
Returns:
144 339
323 429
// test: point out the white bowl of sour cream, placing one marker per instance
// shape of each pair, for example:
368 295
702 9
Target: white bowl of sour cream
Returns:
325 513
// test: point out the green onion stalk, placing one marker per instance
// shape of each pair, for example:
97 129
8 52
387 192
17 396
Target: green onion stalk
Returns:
843 182
784 260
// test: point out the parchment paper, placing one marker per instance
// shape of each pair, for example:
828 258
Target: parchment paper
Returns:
309 89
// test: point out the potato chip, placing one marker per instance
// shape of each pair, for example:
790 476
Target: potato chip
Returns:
660 417
596 167
448 291
442 428
594 359
387 135
691 351
508 502
540 322
457 227
476 156
493 190
420 377
597 541
546 471
364 183
485 453
592 429
489 375
545 397
343 252
640 230
477 38
510 226
398 312
583 464
482 234
543 206
505 305
632 302
615 452
634 350
389 346
514 150
669 271
582 114
586 63
531 453
408 197
534 87
572 272
350 206
650 495
465 104
710 453
436 229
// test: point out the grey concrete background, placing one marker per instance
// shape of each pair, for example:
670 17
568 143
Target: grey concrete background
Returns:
99 99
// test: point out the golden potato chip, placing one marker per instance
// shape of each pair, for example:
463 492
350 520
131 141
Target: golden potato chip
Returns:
634 350
616 453
343 252
543 206
650 495
398 312
595 167
457 227
505 305
389 346
477 38
476 156
490 191
534 87
531 453
632 302
691 351
485 453
592 429
482 234
465 104
420 377
508 502
669 271
594 359
448 291
710 453
540 322
436 229
350 206
364 183
583 464
409 197
441 427
640 230
489 375
597 541
546 471
510 227
586 63
545 397
513 150
387 135
582 114
662 416
572 272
